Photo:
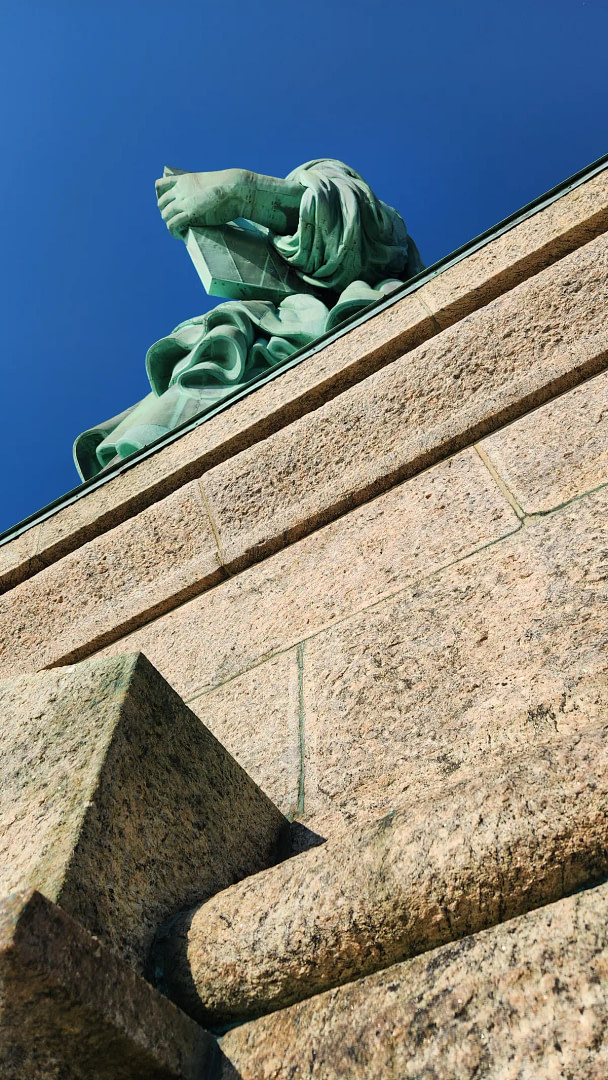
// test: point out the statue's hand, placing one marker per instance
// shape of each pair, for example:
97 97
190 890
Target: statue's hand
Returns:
203 198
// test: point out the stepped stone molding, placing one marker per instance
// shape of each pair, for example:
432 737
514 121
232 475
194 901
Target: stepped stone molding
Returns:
541 338
494 845
118 804
69 1008
525 250
520 1001
423 629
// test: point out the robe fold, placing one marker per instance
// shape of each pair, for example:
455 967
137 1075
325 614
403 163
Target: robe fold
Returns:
351 246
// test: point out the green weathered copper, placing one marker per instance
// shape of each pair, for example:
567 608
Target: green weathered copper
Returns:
295 257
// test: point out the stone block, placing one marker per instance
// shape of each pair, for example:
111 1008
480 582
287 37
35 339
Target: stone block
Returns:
118 804
520 1001
485 848
257 718
531 246
403 535
158 558
544 336
483 657
18 559
555 453
71 1010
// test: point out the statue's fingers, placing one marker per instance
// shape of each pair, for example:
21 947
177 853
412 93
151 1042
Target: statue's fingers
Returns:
177 225
165 199
165 183
172 209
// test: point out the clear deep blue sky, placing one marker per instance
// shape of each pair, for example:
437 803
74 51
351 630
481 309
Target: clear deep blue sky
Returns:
458 112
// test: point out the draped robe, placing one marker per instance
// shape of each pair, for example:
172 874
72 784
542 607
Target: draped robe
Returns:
349 245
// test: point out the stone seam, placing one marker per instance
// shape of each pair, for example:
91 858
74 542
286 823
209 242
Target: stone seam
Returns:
502 486
301 730
213 526
529 519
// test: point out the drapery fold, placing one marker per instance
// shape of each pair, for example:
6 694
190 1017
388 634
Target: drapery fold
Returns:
350 245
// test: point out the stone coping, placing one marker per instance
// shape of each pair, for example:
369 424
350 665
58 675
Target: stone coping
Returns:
519 248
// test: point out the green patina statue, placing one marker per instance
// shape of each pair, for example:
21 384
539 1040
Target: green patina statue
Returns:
295 257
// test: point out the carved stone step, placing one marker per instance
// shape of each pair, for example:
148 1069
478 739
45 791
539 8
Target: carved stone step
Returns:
495 844
71 1010
520 1001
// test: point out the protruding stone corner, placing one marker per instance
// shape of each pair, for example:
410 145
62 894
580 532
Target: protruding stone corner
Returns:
117 803
70 1007
495 844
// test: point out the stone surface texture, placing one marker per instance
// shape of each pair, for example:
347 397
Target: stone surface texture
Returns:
407 532
257 718
492 845
555 453
154 560
521 252
547 236
118 804
484 657
543 337
521 1001
18 559
71 1010
418 654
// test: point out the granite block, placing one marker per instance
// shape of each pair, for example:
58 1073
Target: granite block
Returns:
481 658
256 717
535 243
403 535
503 840
18 559
555 453
518 1002
541 338
158 558
71 1010
118 804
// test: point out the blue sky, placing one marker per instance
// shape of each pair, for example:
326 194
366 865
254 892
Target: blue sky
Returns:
458 112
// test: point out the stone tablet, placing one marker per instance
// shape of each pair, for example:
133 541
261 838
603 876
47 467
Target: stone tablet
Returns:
238 261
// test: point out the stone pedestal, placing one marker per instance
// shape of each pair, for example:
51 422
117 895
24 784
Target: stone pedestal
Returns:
378 585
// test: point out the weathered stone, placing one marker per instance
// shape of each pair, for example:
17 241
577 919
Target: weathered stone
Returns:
18 559
118 804
484 657
498 843
256 717
159 558
71 1010
521 1001
540 240
544 336
555 453
529 247
404 534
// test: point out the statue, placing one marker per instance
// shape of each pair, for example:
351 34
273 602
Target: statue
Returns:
295 257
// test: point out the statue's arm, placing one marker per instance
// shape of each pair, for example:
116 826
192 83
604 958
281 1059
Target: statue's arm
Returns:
213 198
